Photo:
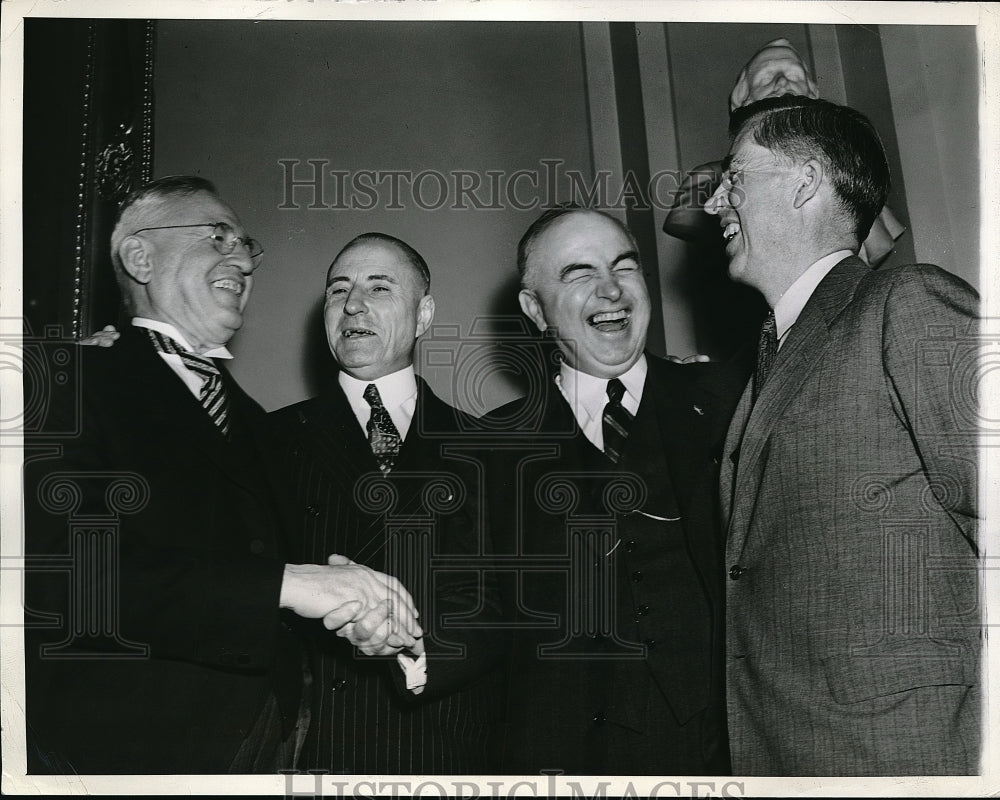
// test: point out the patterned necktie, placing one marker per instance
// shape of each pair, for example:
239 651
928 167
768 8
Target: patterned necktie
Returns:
617 421
213 392
767 348
383 436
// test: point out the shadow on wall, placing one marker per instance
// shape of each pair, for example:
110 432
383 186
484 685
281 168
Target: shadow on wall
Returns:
318 365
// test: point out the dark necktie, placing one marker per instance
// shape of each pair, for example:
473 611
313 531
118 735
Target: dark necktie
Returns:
617 421
383 436
213 392
767 348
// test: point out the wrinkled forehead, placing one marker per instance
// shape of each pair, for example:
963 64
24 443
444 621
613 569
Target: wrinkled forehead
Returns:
577 234
745 152
366 260
193 208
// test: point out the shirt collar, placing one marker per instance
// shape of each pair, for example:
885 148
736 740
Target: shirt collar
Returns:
590 394
394 389
788 308
169 330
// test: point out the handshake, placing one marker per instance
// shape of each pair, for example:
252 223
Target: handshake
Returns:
370 609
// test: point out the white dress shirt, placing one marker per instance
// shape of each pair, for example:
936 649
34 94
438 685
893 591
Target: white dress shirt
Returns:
397 390
191 379
587 396
788 308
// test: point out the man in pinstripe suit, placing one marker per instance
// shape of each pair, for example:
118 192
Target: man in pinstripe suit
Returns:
378 474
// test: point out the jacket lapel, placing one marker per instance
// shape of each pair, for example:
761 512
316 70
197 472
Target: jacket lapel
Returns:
805 346
336 438
188 426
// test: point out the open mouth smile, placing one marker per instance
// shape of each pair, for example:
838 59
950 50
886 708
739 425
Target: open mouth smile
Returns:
229 285
354 333
609 321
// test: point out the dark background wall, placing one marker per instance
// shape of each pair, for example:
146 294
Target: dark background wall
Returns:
235 99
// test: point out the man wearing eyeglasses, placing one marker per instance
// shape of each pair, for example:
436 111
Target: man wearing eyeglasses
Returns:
167 652
849 482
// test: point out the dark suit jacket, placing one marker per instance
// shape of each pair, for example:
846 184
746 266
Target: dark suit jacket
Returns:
171 533
614 583
853 619
427 508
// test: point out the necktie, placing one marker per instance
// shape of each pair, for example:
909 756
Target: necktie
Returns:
213 391
767 348
616 420
383 436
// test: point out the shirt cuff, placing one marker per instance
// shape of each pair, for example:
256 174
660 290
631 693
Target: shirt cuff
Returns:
414 670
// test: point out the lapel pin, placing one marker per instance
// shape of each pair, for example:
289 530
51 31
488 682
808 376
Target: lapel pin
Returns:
698 411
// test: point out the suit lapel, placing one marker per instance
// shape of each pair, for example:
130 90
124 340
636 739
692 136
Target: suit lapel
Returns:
337 439
804 348
668 412
188 426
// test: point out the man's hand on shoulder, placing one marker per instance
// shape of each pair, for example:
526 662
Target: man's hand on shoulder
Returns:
105 337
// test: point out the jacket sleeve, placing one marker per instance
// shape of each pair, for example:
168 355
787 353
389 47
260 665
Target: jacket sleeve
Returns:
930 351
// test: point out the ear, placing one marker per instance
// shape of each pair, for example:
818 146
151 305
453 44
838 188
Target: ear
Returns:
135 258
810 178
425 314
532 308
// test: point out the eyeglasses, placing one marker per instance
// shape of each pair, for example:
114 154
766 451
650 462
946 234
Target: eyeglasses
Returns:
223 237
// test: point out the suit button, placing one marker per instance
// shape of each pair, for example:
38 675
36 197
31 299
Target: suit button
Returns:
650 643
312 511
642 610
599 718
736 572
338 685
630 545
256 546
636 576
597 637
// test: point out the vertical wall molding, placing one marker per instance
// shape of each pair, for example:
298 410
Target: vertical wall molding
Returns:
602 107
827 66
666 173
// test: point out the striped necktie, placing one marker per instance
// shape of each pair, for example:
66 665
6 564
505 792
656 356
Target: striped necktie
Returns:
383 436
617 421
213 392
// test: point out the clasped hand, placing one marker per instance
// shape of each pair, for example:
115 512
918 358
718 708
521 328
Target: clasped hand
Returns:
370 609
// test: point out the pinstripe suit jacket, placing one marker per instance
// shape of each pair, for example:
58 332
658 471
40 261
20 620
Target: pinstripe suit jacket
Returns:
363 719
850 495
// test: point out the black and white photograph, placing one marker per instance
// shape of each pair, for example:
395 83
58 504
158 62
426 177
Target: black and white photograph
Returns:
499 399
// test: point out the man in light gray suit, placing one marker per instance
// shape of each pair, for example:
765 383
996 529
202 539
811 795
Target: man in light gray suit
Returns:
849 486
